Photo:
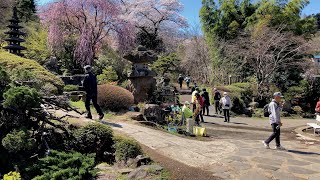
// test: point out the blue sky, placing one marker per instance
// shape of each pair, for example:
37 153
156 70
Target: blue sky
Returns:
192 7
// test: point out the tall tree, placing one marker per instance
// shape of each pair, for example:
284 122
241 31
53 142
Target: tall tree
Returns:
90 21
26 10
153 18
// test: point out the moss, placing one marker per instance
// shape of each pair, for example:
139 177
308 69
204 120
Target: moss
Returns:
12 63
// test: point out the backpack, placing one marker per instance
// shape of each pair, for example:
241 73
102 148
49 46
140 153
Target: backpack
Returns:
266 112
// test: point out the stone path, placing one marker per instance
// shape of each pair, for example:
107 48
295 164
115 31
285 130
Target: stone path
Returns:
231 153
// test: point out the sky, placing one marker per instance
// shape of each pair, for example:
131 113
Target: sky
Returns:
192 7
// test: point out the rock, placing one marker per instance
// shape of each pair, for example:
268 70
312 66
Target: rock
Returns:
125 171
137 116
254 105
138 174
104 167
152 168
142 88
152 112
143 171
140 160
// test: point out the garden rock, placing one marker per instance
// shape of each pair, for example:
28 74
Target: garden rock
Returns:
152 112
143 171
137 116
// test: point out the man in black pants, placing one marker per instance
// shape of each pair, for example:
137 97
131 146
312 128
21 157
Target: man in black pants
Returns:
217 97
90 86
274 109
206 103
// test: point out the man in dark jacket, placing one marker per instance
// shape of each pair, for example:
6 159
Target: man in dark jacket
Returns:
217 97
91 87
205 97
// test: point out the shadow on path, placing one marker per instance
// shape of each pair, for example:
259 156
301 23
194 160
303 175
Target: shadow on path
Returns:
111 124
302 152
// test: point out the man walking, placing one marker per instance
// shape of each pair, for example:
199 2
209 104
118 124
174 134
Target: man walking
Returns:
226 106
274 110
180 80
90 86
206 99
217 97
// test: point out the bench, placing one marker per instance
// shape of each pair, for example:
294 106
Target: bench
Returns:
315 126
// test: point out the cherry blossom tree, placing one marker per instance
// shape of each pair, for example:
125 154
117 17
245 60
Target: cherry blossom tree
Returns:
154 19
91 22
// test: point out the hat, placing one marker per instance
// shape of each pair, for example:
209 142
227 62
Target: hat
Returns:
215 89
225 93
277 94
204 89
187 103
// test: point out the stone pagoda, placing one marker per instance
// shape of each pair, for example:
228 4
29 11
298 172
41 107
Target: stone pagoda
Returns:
14 39
141 79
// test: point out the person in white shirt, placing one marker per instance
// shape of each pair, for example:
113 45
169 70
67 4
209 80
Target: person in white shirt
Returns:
226 103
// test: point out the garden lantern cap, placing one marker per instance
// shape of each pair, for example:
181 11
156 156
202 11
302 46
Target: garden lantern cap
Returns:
277 94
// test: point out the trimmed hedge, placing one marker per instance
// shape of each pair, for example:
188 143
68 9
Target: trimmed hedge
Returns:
11 63
69 88
126 148
114 98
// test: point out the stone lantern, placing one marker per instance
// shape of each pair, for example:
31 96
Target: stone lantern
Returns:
14 39
141 79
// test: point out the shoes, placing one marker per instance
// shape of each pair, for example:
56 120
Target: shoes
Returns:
280 148
225 121
101 116
89 116
266 145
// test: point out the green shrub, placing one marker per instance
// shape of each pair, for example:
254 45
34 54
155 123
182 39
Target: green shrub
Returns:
294 91
22 98
18 141
108 75
94 138
13 63
4 81
12 176
63 165
114 98
297 110
69 88
126 148
49 89
238 105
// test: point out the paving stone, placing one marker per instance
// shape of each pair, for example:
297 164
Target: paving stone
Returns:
267 167
239 166
298 163
283 175
268 161
237 158
300 170
253 175
314 177
282 154
315 160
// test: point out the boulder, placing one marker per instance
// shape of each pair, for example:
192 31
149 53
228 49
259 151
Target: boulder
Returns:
143 171
152 112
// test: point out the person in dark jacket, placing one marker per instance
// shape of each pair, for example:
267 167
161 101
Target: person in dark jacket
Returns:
217 97
91 87
206 103
180 80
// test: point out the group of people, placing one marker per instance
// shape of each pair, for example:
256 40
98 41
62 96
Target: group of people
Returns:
201 101
187 79
200 105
